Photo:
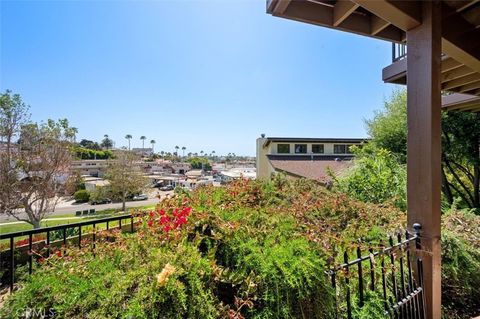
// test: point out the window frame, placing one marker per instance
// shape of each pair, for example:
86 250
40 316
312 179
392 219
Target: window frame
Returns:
283 145
301 146
322 146
339 145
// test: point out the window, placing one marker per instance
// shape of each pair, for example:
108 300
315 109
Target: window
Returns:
301 148
283 148
339 149
317 148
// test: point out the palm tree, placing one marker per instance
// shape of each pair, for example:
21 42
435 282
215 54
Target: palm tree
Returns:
213 154
162 152
183 151
153 145
128 137
176 149
143 138
201 153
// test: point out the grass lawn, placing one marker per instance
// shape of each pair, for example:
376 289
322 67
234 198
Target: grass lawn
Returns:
62 220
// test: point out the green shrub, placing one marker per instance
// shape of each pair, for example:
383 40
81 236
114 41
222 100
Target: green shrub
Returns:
376 177
81 196
461 264
251 249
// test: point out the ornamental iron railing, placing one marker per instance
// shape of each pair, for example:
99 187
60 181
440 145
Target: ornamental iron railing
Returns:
40 243
391 275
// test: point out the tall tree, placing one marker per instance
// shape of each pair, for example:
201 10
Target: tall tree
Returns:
128 137
461 157
176 149
460 146
143 138
34 163
388 128
183 151
152 142
107 143
125 176
89 144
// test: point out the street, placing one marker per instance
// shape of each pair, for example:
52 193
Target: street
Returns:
72 208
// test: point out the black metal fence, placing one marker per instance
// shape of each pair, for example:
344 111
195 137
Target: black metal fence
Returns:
397 283
399 51
60 235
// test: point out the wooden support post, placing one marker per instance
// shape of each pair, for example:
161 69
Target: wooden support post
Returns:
424 145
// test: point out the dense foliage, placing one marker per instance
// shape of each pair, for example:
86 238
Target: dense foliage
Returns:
388 127
249 250
460 147
376 177
200 163
252 249
83 153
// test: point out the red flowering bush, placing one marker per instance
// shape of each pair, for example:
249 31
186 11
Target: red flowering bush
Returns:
168 220
35 238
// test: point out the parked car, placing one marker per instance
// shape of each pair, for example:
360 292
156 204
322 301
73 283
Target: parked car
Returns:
167 188
140 197
101 201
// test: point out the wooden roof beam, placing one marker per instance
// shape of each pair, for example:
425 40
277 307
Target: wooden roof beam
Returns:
277 7
322 15
461 81
470 87
342 10
465 4
377 24
457 39
449 64
402 14
458 101
457 73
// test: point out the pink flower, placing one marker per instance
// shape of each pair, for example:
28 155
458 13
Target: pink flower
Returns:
167 228
161 212
151 214
150 223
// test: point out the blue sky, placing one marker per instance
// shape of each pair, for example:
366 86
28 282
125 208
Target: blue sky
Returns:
207 75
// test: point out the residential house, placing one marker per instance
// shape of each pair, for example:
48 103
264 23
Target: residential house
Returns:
310 158
94 168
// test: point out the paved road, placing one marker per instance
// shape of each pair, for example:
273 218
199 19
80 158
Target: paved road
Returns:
73 208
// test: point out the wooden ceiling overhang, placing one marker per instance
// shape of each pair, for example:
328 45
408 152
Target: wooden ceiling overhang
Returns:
390 20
